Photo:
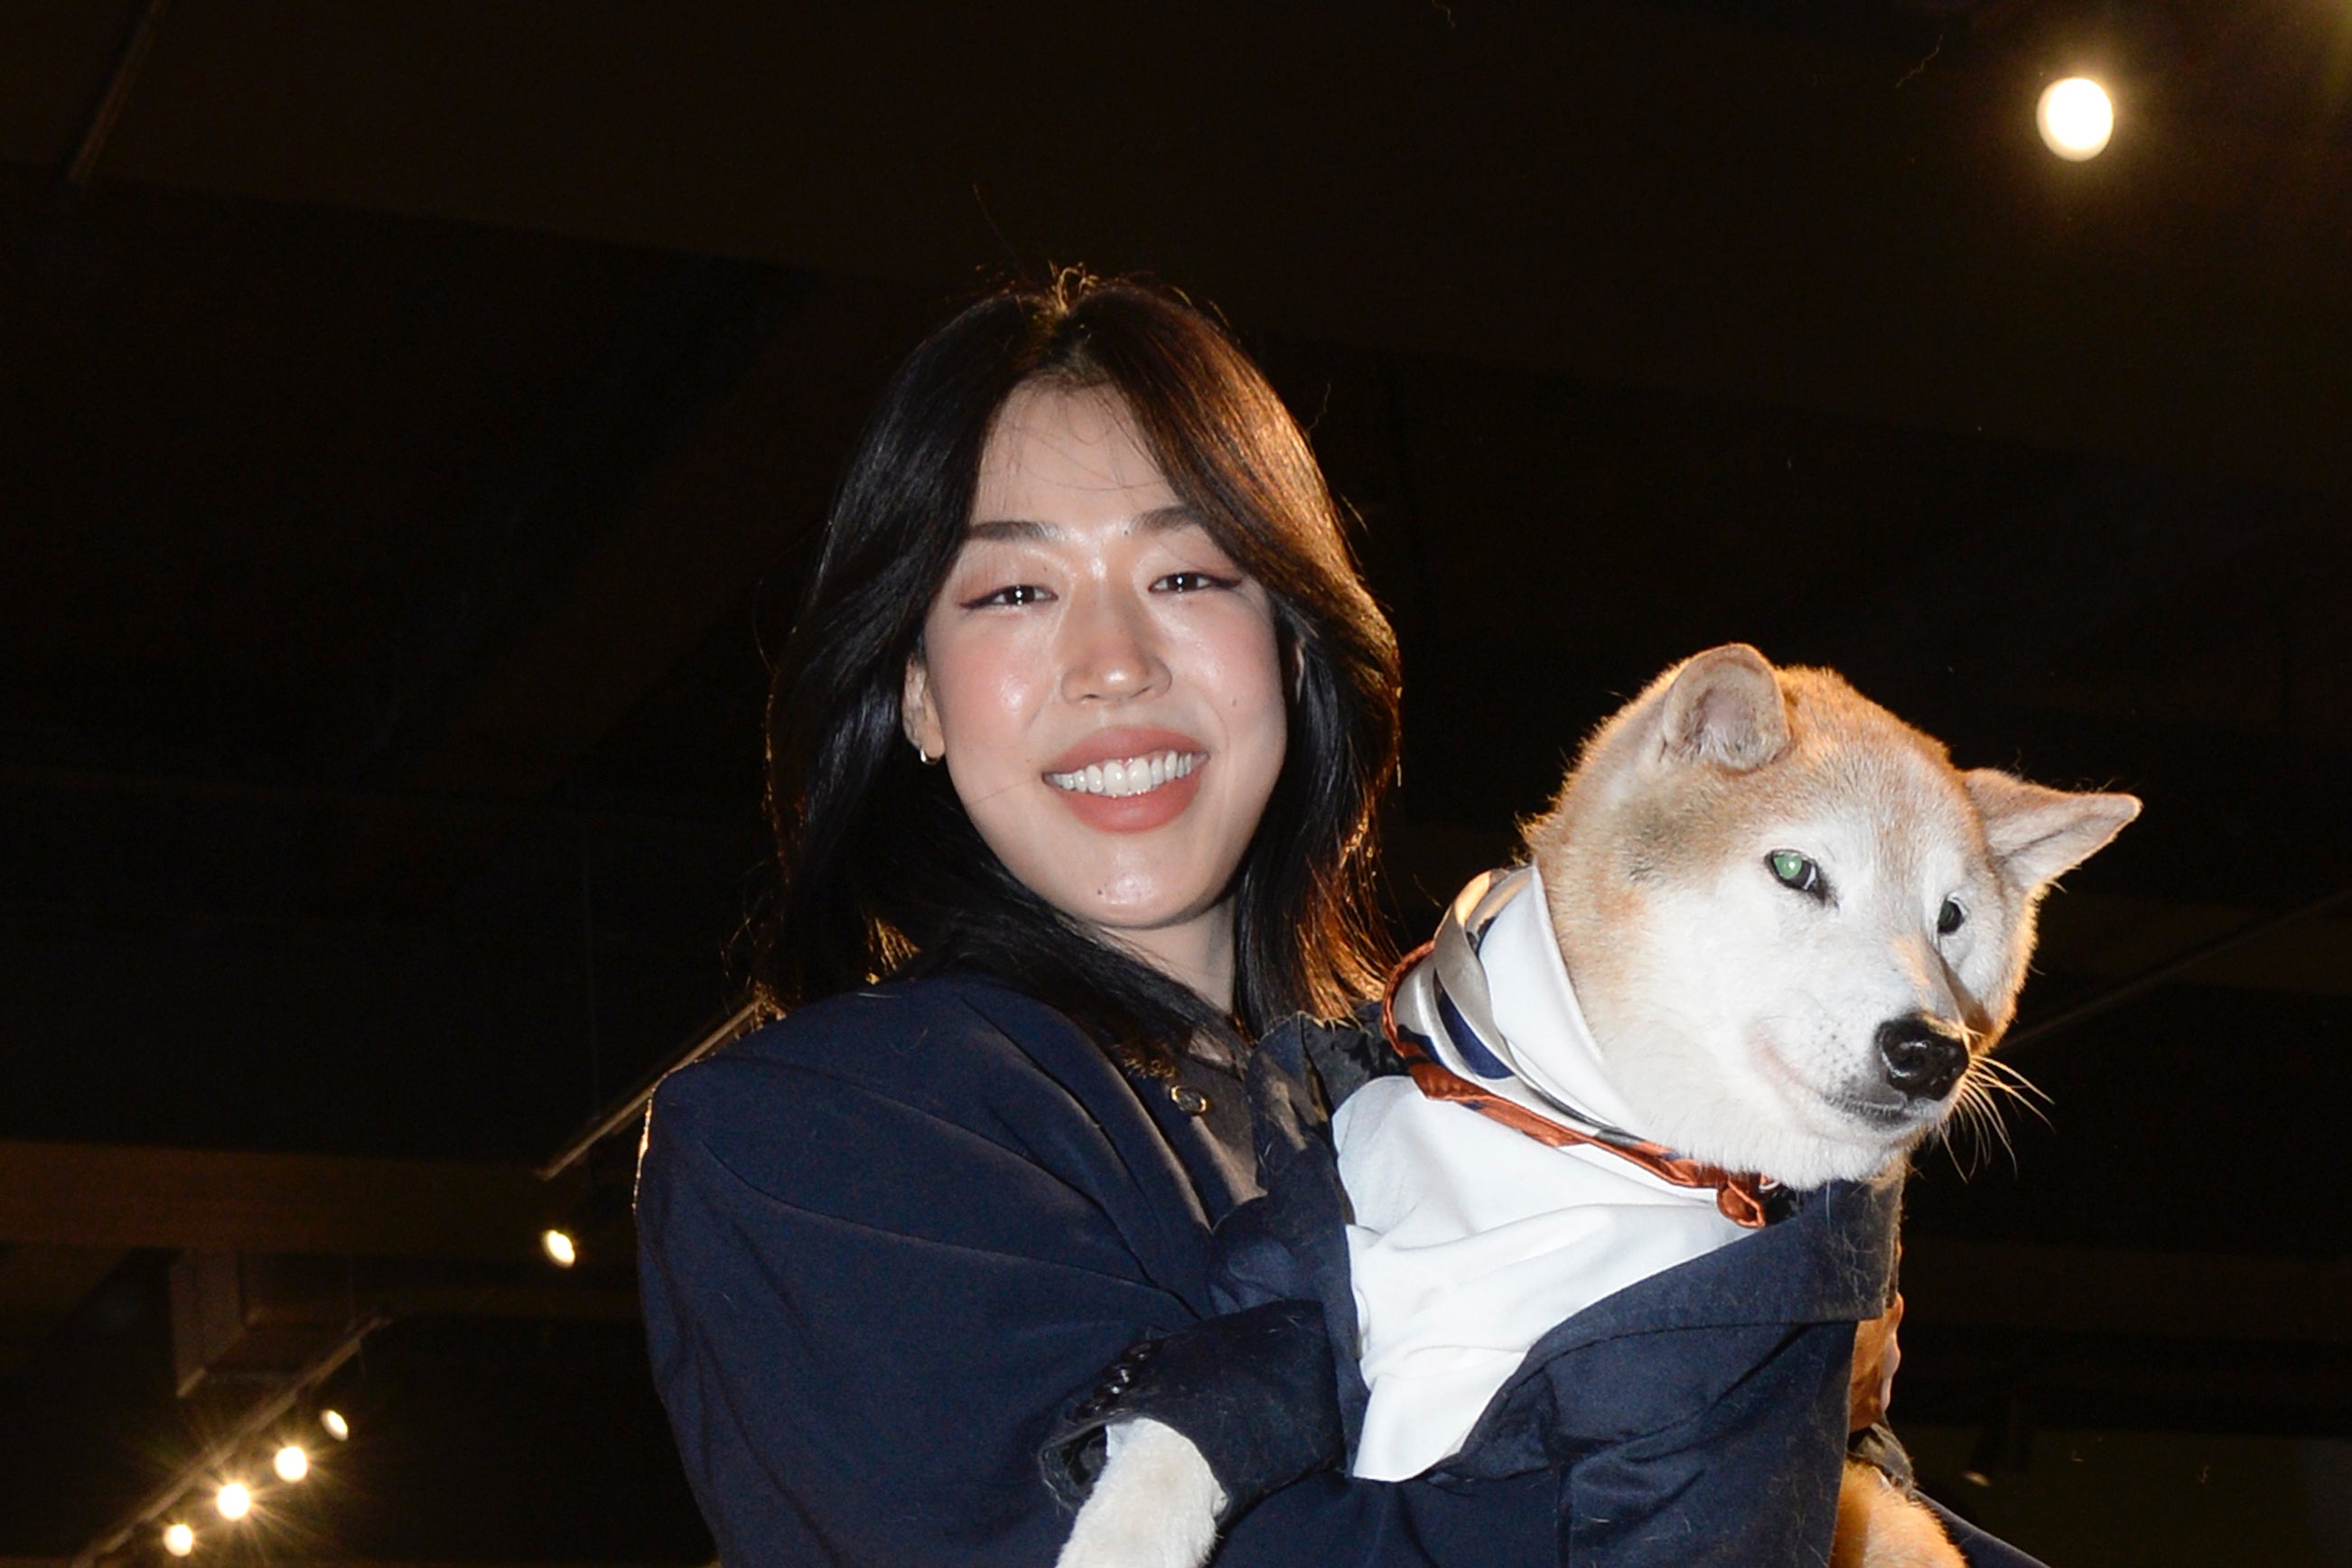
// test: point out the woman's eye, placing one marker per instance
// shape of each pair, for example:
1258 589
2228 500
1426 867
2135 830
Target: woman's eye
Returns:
1192 582
1018 594
1797 871
1950 918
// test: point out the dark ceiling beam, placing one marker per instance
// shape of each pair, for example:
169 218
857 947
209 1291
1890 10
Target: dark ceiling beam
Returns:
1654 194
697 538
38 1286
100 1196
91 1196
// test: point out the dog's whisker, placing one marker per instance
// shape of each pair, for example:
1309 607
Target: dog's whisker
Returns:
1987 1086
1999 1077
1976 1119
2012 1080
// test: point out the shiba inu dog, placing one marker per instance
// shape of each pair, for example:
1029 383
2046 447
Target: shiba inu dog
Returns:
1765 937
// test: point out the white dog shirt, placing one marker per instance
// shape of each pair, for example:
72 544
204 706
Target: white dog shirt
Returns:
1471 1239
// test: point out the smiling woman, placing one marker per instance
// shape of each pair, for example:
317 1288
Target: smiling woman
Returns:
1104 684
1074 755
1081 530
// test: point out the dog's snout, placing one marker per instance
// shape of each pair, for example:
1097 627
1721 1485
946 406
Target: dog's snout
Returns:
1923 1058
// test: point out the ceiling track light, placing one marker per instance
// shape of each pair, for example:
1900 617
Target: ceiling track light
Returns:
214 1462
2077 118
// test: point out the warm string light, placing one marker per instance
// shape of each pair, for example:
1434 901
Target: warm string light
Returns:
336 1427
179 1540
560 1249
235 1501
290 1463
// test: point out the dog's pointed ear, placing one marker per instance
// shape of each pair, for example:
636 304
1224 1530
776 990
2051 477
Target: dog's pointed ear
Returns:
1725 707
2037 833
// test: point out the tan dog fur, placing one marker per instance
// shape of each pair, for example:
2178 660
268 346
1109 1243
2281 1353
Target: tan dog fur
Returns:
1722 759
1652 858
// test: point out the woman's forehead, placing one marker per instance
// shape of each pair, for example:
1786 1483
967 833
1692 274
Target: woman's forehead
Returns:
1068 455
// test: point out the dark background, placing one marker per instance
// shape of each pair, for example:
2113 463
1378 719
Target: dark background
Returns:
413 418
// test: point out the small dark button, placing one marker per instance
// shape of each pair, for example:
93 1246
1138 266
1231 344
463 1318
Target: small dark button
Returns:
1188 1101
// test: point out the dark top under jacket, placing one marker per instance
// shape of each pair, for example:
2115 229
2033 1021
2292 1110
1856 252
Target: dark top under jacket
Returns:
891 1244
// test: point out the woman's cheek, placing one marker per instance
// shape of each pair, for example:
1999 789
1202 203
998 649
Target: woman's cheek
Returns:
986 683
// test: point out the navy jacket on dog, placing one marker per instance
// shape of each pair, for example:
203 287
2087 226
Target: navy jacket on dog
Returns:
890 1245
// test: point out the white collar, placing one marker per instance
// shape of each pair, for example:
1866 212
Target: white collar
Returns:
1536 1010
1493 1003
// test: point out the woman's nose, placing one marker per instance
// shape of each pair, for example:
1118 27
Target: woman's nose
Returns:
1110 649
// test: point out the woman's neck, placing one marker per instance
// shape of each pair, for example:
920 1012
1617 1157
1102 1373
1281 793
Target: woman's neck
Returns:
1197 953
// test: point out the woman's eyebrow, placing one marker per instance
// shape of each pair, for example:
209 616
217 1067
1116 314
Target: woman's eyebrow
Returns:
1161 518
1011 528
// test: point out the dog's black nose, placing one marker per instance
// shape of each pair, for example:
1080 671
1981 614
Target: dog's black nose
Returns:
1923 1058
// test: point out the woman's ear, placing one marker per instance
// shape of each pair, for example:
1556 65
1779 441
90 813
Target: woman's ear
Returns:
918 715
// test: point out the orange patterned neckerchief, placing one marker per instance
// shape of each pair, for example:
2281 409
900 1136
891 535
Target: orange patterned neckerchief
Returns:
1738 1195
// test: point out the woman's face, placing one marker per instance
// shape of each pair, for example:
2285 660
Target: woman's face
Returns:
1105 685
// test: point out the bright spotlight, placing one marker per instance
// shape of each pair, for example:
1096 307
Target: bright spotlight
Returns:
560 1249
235 1501
290 1463
337 1427
2075 118
179 1540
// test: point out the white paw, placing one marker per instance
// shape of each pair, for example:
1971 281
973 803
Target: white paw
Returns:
1154 1506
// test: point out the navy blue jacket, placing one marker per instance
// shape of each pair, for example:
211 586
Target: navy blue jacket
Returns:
891 1244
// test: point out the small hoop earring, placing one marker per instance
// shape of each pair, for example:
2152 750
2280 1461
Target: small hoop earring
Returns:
925 757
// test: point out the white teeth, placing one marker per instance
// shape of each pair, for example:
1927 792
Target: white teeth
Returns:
1128 775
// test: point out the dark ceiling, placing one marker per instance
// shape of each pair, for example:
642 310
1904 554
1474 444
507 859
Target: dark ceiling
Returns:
413 418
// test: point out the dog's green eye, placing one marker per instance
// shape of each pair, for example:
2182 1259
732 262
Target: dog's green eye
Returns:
1950 918
1794 870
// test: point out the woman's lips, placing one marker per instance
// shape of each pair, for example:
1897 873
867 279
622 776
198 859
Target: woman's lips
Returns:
1117 745
1106 779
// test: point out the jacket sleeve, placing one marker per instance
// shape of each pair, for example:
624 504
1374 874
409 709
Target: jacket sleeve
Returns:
867 1317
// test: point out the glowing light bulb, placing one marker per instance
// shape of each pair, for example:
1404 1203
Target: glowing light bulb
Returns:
179 1540
2075 118
235 1501
560 1249
290 1463
337 1427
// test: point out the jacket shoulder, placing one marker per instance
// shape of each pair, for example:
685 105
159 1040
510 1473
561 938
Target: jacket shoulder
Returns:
957 1051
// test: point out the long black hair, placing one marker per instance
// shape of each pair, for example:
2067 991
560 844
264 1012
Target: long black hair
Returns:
879 869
